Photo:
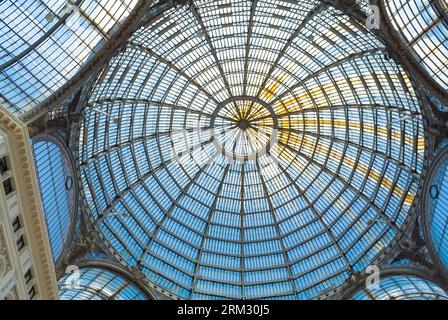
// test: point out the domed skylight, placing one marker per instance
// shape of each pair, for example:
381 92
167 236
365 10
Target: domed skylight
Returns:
402 287
251 149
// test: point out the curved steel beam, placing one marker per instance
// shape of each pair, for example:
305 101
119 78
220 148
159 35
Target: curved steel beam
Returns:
309 17
399 49
207 227
126 274
41 40
104 55
117 270
388 272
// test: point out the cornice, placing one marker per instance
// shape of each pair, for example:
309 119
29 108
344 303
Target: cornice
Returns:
29 198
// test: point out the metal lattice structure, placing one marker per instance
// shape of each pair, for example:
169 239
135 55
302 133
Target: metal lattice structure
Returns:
45 43
264 149
56 180
423 27
348 157
99 284
402 287
436 202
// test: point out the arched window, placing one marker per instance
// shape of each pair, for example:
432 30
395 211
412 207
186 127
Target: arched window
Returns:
423 27
402 287
56 183
98 284
436 206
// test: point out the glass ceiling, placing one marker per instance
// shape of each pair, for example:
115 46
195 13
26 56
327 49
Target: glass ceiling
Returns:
402 287
99 284
423 27
251 149
437 207
56 182
44 43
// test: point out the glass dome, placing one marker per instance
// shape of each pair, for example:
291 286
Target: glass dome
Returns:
263 149
44 43
56 186
423 27
437 204
402 287
99 284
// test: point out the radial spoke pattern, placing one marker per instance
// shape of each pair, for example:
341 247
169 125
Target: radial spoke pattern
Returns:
248 129
251 149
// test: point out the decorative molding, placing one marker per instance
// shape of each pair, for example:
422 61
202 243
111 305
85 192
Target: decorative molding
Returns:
29 197
5 263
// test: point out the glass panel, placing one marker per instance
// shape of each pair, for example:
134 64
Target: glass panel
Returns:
263 149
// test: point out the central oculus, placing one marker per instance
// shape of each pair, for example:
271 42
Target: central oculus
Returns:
243 124
244 128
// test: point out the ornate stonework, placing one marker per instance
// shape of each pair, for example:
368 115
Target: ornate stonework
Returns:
5 263
28 195
12 295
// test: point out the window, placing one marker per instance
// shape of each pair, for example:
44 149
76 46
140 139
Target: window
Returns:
7 186
100 284
16 224
20 243
32 292
55 177
423 27
41 52
436 204
28 276
3 165
401 287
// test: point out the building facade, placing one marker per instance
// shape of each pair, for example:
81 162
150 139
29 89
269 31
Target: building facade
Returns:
26 266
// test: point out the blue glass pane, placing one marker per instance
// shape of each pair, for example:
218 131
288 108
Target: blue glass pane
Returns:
54 176
438 211
40 51
402 287
99 284
423 27
166 144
